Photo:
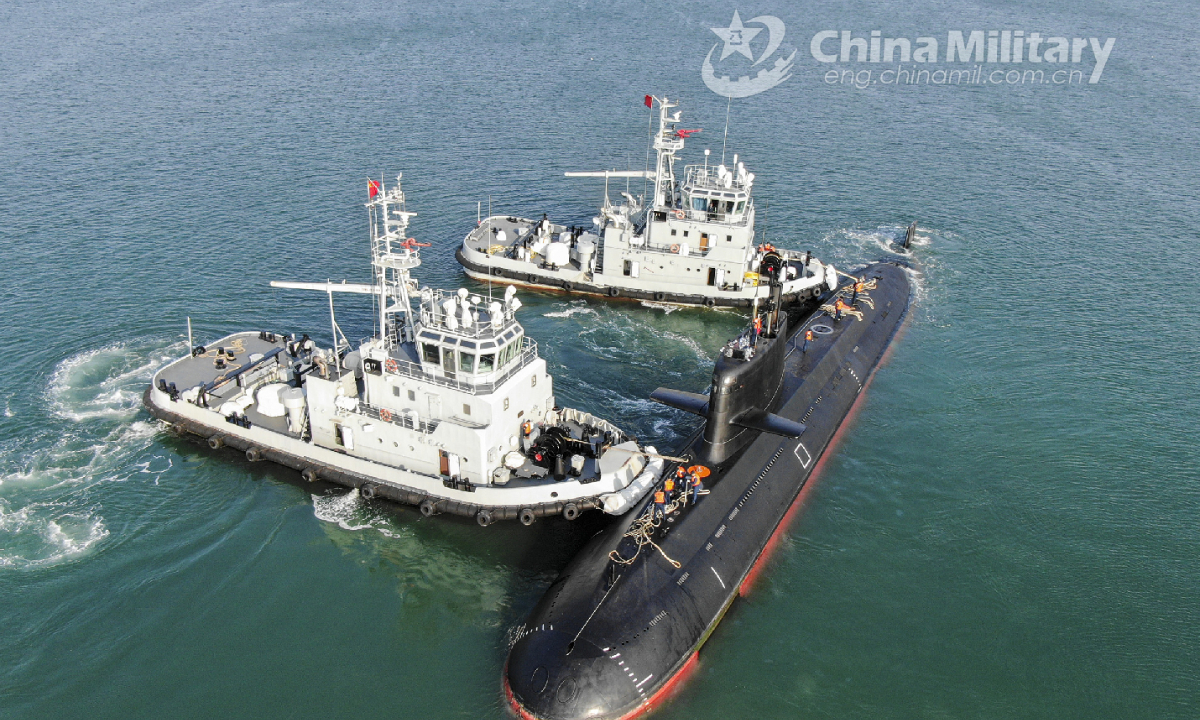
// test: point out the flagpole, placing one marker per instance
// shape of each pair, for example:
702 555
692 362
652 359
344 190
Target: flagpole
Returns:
649 139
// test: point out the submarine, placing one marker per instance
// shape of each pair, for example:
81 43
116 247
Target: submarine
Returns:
623 623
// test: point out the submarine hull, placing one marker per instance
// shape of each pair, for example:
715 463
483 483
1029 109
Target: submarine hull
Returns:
625 619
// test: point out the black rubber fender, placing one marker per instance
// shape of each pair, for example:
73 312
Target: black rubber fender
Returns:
567 286
497 271
216 442
484 517
367 490
309 475
570 511
613 292
710 302
660 296
527 516
428 507
253 454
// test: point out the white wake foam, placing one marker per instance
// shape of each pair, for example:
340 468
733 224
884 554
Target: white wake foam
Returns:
105 383
350 512
578 307
667 308
40 534
48 509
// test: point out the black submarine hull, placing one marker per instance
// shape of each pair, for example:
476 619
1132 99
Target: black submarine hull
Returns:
611 637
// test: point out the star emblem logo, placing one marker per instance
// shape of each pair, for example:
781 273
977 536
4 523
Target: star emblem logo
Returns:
737 37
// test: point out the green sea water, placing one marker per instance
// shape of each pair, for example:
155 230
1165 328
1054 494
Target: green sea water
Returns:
1008 528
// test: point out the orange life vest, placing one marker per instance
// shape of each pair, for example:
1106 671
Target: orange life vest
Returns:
660 497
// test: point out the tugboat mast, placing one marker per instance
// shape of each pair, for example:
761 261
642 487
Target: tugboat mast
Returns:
392 257
666 143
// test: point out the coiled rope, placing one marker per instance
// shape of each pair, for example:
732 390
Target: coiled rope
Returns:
642 531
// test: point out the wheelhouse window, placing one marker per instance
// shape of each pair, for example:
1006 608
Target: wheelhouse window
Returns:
510 351
466 362
429 351
487 363
448 359
699 203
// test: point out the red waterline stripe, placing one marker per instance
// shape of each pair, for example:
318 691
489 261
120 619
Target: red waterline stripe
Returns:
512 701
781 529
887 354
675 683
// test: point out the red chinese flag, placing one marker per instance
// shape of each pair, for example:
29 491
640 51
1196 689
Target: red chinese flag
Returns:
649 101
372 189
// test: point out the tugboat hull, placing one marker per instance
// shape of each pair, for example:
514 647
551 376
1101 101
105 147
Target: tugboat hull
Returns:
523 274
623 622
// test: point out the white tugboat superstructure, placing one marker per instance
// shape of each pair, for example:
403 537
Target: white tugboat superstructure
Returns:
450 409
694 244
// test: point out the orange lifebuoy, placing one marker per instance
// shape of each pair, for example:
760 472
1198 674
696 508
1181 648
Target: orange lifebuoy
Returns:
392 366
385 414
678 214
675 249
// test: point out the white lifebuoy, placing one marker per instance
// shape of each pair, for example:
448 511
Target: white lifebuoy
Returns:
675 249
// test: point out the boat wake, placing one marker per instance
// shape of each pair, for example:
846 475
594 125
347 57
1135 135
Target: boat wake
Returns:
50 507
107 382
579 307
853 247
350 512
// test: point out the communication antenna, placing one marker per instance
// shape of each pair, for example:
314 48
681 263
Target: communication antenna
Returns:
726 137
489 248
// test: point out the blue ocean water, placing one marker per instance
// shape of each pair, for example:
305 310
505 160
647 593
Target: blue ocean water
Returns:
1009 528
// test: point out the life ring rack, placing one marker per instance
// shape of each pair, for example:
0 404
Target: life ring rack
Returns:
385 415
391 365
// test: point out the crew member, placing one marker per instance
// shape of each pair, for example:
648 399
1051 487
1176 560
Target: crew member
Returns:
696 486
808 336
839 305
660 504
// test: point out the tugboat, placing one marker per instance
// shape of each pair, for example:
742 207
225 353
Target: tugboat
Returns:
450 408
694 244
625 620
